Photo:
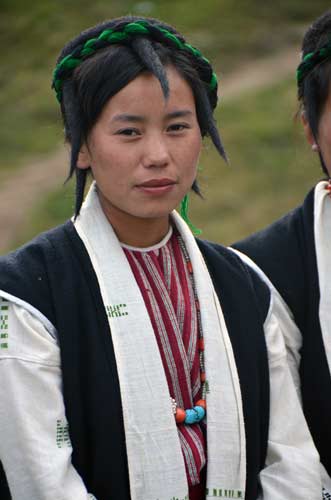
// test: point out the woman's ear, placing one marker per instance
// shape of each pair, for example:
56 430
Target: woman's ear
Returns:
308 132
84 160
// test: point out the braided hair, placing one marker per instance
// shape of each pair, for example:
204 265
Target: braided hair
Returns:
314 73
102 60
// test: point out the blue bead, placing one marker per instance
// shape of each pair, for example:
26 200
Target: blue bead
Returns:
200 411
191 417
194 415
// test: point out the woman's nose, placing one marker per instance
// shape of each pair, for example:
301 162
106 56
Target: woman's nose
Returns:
156 153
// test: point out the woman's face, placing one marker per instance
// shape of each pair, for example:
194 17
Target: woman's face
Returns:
323 143
144 150
324 134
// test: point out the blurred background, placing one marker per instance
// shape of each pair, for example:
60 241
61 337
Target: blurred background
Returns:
255 48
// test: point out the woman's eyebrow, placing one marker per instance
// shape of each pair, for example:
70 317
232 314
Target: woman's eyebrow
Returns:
181 113
128 118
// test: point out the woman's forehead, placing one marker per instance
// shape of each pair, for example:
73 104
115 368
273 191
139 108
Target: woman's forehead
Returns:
144 94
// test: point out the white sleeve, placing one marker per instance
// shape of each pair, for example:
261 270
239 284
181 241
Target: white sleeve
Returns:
293 342
292 469
291 334
290 330
35 447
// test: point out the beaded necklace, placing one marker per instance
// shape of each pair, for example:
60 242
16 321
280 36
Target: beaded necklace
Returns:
198 412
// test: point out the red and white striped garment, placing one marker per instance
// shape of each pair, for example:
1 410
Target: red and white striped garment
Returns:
163 279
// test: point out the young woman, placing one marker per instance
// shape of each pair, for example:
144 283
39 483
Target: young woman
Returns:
294 252
134 359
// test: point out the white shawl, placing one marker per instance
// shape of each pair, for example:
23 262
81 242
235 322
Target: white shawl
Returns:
156 464
322 230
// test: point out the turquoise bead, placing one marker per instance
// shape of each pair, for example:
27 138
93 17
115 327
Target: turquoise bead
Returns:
194 415
200 411
191 417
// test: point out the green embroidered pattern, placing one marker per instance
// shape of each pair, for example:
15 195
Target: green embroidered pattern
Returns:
177 498
62 434
116 311
223 493
3 324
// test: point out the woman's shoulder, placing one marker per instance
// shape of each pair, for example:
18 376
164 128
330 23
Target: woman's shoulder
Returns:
283 250
225 260
282 237
24 272
31 257
233 279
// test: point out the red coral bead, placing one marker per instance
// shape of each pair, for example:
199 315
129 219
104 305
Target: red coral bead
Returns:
202 403
203 376
201 345
180 415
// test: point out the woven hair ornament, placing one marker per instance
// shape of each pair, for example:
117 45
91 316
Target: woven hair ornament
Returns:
123 34
311 60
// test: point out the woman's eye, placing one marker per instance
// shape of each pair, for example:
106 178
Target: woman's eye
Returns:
178 127
129 132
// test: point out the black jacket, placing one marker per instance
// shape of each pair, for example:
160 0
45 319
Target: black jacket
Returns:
285 251
55 275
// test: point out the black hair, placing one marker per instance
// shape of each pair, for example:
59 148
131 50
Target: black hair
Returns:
314 89
97 78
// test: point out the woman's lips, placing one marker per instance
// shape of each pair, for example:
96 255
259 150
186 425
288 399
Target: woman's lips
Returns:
156 186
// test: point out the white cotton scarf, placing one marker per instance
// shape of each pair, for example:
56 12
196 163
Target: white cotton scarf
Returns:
322 231
156 464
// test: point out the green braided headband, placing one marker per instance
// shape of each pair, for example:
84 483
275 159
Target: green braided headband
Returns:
109 36
311 60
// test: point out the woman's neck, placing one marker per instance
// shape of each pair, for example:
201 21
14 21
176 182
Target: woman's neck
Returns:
135 231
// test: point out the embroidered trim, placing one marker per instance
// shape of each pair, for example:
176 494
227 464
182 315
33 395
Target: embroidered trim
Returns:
116 311
62 434
35 312
326 494
224 493
4 324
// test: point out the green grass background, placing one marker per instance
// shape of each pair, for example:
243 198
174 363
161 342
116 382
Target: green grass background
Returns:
271 167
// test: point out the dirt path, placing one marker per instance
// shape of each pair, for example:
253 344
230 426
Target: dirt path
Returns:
19 192
260 73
